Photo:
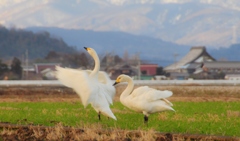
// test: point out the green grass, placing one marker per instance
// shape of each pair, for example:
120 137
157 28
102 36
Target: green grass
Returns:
210 118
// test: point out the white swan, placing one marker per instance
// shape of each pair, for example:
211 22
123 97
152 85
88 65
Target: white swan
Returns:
143 99
99 93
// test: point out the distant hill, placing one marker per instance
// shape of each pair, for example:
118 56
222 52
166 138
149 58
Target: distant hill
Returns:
151 50
212 23
231 53
15 43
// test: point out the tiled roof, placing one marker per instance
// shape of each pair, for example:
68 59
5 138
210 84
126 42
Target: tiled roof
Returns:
193 54
222 64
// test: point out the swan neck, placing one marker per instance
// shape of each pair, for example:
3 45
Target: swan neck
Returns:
128 90
96 65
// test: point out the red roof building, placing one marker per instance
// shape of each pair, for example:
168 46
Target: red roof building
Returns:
42 66
149 69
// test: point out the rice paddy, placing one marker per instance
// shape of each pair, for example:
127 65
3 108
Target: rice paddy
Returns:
210 118
199 110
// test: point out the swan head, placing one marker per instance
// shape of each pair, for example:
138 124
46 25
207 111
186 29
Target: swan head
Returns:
122 78
91 51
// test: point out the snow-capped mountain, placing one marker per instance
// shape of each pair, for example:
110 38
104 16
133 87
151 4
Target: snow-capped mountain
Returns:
213 23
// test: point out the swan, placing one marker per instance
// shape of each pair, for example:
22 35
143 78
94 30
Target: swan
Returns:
93 87
143 99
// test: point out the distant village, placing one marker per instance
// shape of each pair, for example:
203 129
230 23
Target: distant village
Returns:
196 64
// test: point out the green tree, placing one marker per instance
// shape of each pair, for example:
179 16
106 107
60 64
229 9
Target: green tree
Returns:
16 67
3 68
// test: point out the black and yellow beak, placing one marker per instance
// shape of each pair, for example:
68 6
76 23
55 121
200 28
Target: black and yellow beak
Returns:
86 48
115 83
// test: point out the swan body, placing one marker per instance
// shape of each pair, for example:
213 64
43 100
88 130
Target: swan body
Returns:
93 87
144 99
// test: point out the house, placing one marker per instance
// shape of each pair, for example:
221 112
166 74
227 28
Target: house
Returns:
190 63
46 70
196 55
148 69
199 64
42 66
232 76
39 71
221 69
29 73
116 70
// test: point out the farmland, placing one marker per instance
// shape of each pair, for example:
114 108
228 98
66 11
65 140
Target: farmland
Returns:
200 110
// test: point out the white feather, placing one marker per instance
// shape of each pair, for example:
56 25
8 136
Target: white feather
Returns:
144 99
92 86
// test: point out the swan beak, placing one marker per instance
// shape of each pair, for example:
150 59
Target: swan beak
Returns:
115 83
86 48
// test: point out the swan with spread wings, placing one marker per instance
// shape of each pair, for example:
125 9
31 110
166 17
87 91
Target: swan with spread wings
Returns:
93 87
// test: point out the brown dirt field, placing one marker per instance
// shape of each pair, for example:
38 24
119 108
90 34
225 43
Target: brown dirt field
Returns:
60 93
59 132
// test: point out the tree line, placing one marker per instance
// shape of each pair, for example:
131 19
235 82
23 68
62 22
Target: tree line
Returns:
19 45
14 42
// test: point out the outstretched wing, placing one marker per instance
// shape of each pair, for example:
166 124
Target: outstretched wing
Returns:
102 76
106 83
77 80
109 88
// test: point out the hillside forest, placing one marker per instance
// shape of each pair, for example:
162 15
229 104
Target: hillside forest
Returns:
19 45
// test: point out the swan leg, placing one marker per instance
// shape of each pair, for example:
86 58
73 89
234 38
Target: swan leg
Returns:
99 115
145 119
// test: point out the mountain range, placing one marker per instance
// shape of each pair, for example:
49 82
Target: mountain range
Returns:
211 23
151 50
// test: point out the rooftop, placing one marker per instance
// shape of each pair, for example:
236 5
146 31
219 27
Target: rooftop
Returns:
197 54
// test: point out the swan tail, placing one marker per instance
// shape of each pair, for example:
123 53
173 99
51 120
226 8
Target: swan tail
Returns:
168 102
108 113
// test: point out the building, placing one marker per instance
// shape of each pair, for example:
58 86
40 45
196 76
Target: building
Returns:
148 69
189 64
199 64
116 70
222 69
39 71
42 66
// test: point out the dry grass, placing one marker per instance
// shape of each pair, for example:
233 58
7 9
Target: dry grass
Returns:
94 132
63 94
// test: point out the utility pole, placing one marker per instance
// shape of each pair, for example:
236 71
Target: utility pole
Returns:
234 34
139 66
27 64
175 59
23 60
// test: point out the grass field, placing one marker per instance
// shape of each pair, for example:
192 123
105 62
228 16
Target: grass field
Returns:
210 118
200 110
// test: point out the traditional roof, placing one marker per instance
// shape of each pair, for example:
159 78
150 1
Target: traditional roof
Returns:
222 65
195 55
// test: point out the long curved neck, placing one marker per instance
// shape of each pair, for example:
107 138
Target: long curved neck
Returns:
97 65
127 91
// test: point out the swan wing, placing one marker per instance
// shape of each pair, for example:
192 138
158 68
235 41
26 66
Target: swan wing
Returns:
100 100
79 81
168 102
151 94
139 91
106 83
109 91
102 76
